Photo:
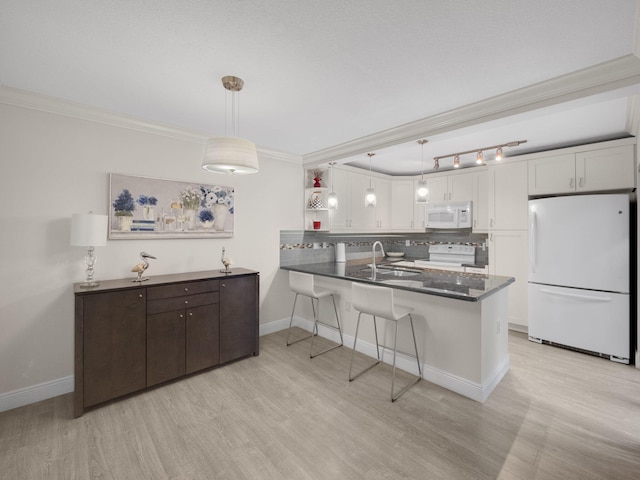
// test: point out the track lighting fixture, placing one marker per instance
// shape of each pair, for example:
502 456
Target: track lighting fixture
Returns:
422 191
479 154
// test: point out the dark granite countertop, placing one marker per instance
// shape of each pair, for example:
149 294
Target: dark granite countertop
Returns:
470 287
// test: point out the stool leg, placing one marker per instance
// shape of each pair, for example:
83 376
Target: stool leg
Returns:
291 323
315 328
415 345
355 340
335 309
393 375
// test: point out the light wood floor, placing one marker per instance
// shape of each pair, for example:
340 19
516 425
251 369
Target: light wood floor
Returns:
556 415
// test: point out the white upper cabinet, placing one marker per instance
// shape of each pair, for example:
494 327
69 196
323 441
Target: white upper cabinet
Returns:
603 169
460 187
480 205
403 204
450 188
556 174
607 169
351 213
508 201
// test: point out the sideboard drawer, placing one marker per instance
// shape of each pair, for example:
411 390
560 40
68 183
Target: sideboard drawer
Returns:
180 303
182 289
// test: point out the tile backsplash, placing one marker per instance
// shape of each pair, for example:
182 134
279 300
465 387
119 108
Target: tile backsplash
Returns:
299 247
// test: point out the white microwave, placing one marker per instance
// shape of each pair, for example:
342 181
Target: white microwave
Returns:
448 215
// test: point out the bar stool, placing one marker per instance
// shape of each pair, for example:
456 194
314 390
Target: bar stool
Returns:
302 284
377 301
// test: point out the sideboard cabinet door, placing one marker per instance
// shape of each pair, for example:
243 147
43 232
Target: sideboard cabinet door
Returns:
165 346
114 344
238 317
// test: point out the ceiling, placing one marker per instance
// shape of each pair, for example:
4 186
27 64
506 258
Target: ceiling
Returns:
333 80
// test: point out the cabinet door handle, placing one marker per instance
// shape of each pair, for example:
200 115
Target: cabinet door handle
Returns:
444 197
571 182
186 289
223 285
186 302
581 182
191 314
140 295
181 316
491 237
491 222
449 195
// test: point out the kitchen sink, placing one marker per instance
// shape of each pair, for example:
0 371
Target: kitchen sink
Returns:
397 273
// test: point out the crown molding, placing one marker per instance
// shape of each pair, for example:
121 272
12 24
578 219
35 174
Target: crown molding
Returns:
44 103
617 73
56 106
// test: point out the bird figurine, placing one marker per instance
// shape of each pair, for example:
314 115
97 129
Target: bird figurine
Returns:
225 261
141 267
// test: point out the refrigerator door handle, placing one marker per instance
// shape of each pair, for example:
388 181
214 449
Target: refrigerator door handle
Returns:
532 243
576 295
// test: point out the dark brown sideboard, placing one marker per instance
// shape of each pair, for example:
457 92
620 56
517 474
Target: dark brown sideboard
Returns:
130 335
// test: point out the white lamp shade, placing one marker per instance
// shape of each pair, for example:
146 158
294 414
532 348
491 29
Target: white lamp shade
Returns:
370 199
230 155
88 230
422 192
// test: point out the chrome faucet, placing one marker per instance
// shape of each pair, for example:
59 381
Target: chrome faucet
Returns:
373 259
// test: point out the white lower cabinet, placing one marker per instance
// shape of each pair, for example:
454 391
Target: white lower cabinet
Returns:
509 256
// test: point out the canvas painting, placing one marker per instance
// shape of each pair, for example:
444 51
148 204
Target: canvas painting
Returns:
143 207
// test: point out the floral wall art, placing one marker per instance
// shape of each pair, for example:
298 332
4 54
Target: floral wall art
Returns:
143 207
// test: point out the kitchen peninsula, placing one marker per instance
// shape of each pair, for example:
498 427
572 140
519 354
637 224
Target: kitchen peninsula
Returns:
460 320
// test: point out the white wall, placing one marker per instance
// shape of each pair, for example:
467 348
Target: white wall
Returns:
55 163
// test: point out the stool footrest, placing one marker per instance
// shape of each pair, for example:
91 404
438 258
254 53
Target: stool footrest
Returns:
312 355
407 387
298 340
352 378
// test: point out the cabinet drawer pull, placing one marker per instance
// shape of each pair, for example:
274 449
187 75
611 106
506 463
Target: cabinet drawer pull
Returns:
181 316
191 314
186 289
140 295
186 302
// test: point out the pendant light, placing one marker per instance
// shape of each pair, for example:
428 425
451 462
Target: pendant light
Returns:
422 191
370 194
231 155
332 198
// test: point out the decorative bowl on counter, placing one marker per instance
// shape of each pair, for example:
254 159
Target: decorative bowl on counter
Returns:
395 254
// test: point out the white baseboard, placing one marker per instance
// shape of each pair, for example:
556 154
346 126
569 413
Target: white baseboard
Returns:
466 388
36 393
61 386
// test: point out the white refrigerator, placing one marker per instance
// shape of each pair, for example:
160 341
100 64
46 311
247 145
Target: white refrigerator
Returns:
579 273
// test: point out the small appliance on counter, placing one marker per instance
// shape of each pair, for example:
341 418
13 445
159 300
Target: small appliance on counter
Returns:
341 256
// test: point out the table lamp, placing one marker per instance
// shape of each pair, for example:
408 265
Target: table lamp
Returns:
89 230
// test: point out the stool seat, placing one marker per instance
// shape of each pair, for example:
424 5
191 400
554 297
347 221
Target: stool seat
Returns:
303 284
377 301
